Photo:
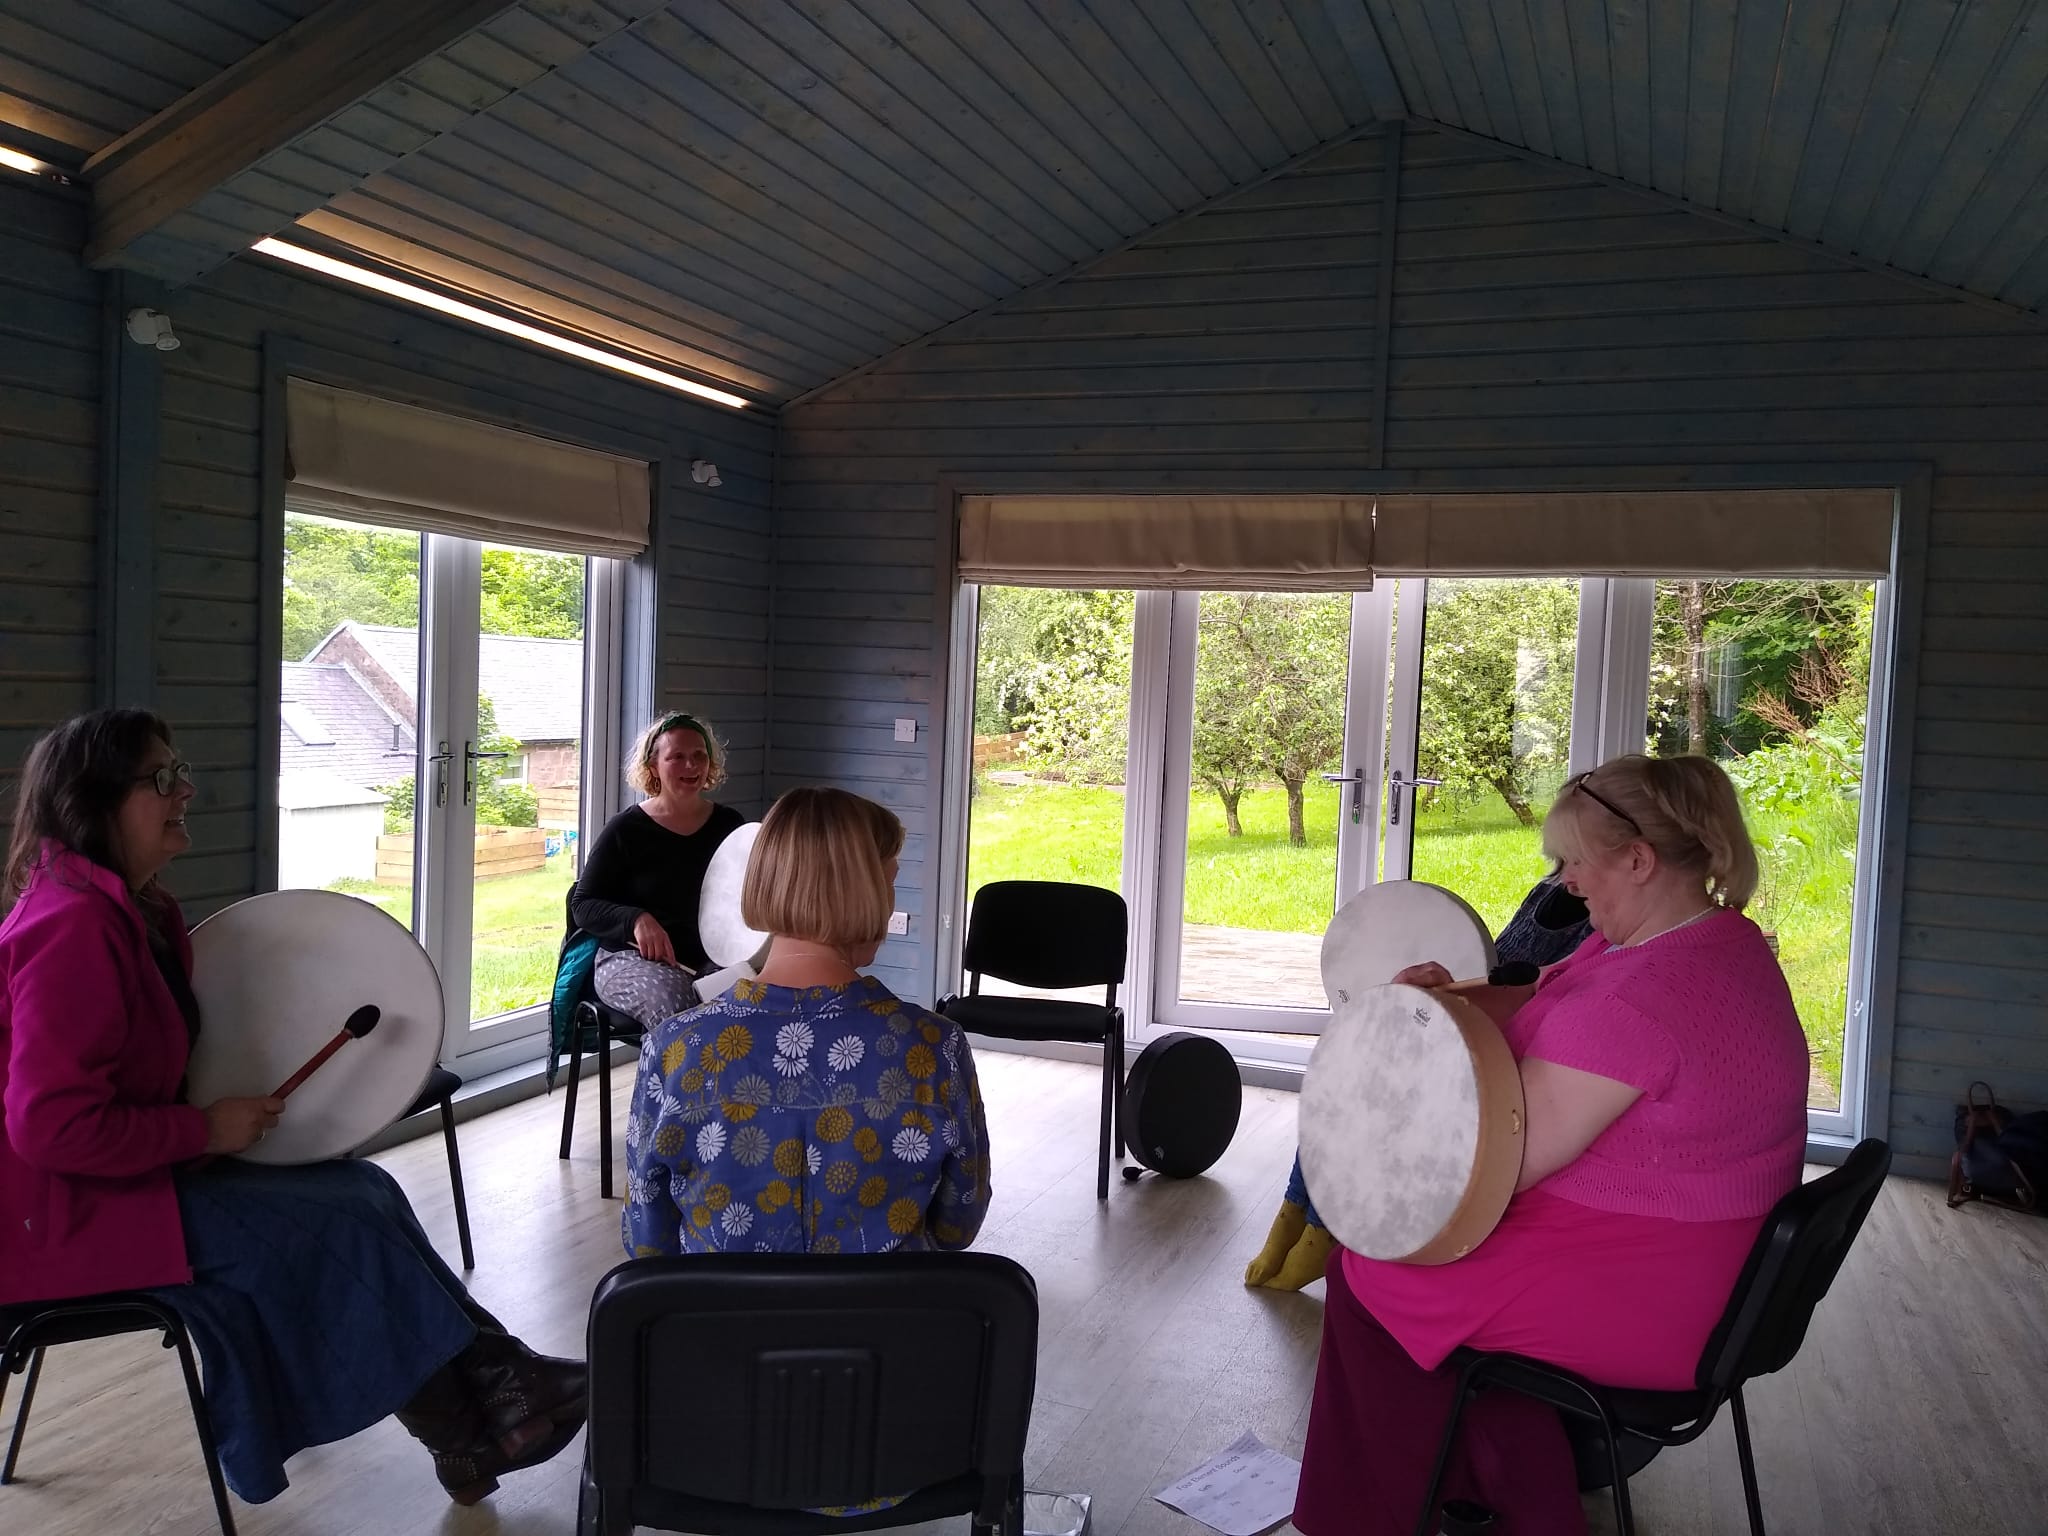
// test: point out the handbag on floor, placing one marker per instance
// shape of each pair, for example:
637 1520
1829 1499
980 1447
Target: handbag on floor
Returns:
2000 1157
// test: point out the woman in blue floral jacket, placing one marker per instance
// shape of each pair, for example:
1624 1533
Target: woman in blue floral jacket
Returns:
809 1111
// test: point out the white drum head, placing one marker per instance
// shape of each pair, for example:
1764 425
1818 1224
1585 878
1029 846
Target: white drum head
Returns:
1391 1122
276 977
1388 927
724 933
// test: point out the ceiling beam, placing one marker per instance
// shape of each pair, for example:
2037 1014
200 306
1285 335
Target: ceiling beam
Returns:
203 141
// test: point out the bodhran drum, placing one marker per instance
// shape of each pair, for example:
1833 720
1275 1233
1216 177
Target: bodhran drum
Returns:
1181 1103
1388 927
724 933
1411 1125
276 976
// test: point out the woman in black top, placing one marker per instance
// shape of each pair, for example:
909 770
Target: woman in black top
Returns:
638 893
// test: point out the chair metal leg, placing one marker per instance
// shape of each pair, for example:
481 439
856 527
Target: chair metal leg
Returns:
1117 1136
569 1095
604 1109
1425 1519
1108 1114
455 1182
28 1396
1624 1513
1749 1489
175 1336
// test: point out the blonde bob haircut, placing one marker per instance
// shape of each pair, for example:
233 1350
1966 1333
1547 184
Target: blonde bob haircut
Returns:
1683 807
819 870
640 772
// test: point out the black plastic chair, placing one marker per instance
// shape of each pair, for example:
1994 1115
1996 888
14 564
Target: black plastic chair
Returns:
606 1026
32 1328
440 1090
1050 934
1795 1260
733 1394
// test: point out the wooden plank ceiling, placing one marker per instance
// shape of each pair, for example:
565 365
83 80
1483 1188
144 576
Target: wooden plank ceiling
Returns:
773 192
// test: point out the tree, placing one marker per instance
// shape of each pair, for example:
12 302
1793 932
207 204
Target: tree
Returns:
1720 644
1497 687
1077 712
528 592
1226 739
336 571
1278 661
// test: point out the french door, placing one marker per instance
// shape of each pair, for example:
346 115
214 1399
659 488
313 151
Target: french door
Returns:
436 753
1241 763
1365 707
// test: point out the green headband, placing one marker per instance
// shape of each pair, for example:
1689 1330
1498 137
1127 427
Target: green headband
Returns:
678 721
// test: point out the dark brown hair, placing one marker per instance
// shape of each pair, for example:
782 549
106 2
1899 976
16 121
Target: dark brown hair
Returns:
73 783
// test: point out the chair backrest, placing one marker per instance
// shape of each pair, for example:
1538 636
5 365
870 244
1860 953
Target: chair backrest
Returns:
1047 933
793 1381
1795 1260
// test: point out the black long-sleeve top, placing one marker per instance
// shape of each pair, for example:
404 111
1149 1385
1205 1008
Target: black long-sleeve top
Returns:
637 865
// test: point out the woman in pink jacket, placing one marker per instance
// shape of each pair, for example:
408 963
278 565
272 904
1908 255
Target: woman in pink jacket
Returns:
1664 1076
317 1303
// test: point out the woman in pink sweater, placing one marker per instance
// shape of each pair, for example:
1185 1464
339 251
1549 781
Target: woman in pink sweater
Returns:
1664 1071
317 1303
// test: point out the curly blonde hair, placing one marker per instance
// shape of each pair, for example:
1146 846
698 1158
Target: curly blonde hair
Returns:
1683 807
640 772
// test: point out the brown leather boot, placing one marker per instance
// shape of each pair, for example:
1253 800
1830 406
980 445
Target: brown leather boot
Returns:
444 1417
523 1396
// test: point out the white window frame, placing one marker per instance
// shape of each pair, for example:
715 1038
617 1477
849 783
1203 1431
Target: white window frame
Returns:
1610 702
448 905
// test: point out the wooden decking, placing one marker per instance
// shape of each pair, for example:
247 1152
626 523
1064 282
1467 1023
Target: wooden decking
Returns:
1914 1408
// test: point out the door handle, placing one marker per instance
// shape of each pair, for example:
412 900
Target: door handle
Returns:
1356 779
470 758
440 761
1395 784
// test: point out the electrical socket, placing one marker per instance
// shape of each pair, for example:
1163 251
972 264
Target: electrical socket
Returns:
899 922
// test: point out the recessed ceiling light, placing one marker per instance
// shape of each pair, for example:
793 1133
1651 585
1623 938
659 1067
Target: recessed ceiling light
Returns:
412 293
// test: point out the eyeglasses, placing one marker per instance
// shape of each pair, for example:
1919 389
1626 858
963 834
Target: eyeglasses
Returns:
1579 783
167 779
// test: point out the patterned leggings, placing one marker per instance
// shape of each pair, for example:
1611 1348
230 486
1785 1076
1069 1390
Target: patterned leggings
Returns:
647 991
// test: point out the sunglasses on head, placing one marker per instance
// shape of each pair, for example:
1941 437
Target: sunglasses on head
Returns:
1579 783
168 778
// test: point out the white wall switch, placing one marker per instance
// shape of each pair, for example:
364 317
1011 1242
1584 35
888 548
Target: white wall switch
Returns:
899 922
906 730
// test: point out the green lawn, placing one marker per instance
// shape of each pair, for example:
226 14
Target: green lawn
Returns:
1075 832
518 926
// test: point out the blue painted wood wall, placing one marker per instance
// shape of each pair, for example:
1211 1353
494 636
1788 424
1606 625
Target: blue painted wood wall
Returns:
49 469
1543 325
713 550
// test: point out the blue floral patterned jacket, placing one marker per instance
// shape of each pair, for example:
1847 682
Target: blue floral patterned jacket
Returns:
805 1120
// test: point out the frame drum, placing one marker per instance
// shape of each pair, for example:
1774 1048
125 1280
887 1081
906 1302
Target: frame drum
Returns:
724 933
275 976
1411 1125
1388 927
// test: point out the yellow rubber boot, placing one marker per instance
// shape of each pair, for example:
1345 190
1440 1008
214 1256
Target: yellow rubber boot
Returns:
1280 1241
1306 1260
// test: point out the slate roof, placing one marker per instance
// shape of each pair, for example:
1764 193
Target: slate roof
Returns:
370 746
535 685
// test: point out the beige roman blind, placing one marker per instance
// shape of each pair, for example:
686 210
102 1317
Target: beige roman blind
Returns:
1664 533
369 460
1253 544
1296 543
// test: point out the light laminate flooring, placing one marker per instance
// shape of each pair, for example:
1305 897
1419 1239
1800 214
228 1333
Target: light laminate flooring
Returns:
1916 1406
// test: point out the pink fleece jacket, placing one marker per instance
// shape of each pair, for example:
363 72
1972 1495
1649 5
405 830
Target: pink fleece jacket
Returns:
1701 1021
92 1050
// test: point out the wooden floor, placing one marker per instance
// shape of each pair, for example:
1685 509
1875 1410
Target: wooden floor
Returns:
1916 1407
